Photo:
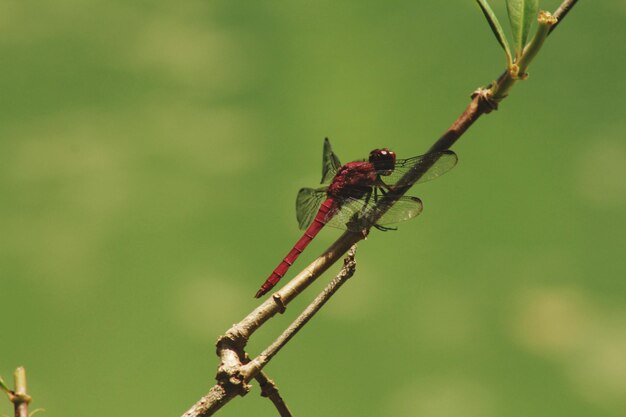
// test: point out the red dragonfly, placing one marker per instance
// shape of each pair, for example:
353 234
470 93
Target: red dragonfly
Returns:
349 199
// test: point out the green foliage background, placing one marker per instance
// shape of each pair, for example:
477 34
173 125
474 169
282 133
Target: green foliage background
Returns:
150 153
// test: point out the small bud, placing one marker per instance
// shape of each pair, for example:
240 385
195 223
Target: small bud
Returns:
546 18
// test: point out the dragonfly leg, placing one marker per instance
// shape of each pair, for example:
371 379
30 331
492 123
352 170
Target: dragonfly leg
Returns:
368 195
381 184
385 228
357 221
382 191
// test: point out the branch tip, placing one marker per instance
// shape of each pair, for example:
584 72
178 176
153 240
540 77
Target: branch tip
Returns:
19 396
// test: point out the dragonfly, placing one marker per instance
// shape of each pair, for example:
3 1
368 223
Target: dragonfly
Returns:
349 196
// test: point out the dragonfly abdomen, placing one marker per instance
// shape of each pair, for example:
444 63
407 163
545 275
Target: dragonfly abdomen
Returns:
318 223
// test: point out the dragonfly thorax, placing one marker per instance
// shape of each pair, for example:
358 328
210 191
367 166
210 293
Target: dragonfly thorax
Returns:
353 180
383 160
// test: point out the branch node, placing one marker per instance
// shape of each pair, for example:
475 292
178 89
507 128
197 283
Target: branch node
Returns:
547 18
486 101
18 399
233 382
268 388
349 262
279 302
225 342
233 339
18 396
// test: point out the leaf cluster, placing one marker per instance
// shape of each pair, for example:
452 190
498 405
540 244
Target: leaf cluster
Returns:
522 14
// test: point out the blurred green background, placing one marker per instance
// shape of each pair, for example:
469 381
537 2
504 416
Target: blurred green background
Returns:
150 154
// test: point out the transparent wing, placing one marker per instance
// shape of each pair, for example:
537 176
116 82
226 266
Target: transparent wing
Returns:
307 205
330 163
436 164
351 212
406 208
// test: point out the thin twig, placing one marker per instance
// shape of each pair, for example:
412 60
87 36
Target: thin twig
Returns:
270 390
254 366
231 381
241 332
562 11
19 396
235 370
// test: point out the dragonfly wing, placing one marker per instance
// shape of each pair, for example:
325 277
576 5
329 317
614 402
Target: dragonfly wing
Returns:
359 214
330 163
405 208
436 164
346 214
308 203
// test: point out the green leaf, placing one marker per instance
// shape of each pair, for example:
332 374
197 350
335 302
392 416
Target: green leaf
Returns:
3 386
496 28
330 162
522 13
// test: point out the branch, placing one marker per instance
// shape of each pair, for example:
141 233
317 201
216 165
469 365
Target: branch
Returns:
562 11
235 371
260 361
269 390
484 101
19 396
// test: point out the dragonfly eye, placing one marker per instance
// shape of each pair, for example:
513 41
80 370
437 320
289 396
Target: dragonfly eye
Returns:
383 160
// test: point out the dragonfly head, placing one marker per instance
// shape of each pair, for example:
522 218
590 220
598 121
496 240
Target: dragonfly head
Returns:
383 160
